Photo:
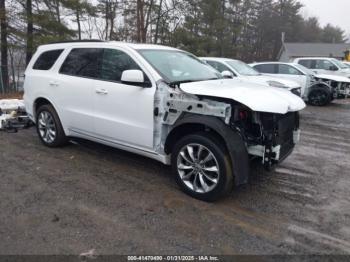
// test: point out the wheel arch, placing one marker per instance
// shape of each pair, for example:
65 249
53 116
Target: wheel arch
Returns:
40 101
235 146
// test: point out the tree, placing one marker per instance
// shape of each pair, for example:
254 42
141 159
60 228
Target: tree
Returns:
4 50
331 34
29 47
80 9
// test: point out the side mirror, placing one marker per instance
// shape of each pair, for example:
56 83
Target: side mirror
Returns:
133 77
227 74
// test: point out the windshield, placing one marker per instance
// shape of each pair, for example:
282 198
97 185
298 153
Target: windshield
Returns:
178 66
304 69
242 68
339 64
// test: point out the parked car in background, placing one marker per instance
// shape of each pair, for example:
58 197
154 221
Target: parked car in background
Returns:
162 103
235 68
324 65
318 89
346 63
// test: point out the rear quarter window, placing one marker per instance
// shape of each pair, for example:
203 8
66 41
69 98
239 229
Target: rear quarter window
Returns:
47 59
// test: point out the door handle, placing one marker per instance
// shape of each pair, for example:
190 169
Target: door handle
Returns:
101 91
53 83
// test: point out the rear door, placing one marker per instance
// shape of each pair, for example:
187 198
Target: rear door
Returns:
123 112
74 87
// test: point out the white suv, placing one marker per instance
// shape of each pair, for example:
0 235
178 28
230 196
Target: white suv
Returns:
324 65
162 103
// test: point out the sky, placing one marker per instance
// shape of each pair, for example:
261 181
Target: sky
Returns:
336 12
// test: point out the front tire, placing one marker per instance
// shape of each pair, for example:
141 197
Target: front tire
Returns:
320 96
201 166
49 127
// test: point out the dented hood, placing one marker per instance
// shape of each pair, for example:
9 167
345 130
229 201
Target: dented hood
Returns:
336 78
257 97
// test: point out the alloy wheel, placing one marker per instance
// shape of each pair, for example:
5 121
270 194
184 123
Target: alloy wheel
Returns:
47 127
198 168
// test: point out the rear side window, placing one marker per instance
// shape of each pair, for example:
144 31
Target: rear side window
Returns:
307 63
47 59
84 62
266 69
288 70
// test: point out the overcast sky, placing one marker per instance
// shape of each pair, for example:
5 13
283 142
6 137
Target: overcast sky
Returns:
336 12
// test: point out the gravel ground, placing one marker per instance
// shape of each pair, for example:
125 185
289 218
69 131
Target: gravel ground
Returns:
88 196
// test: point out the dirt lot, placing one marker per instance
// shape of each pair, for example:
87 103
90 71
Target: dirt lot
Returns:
87 196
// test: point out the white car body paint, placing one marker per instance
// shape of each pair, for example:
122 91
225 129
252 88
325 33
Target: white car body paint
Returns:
337 78
123 115
257 98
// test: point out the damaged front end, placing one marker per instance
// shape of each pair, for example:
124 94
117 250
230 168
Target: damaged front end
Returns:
269 137
339 86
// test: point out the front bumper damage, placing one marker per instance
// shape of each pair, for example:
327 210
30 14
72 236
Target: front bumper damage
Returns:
273 153
340 90
278 136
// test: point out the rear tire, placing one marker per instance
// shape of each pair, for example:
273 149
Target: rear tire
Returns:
320 96
201 167
49 127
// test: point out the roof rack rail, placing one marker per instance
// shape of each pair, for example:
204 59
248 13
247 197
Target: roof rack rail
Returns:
77 41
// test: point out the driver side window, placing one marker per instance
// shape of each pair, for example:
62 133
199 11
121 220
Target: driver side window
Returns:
288 70
114 63
325 64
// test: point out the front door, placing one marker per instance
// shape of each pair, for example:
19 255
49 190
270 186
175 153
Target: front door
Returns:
123 112
291 73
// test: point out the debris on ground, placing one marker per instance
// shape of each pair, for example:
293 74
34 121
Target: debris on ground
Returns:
91 254
13 115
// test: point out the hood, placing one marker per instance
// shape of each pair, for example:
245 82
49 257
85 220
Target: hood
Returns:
345 70
342 72
270 80
257 97
337 78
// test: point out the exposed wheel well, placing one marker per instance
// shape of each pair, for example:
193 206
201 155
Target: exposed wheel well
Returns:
38 103
186 129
